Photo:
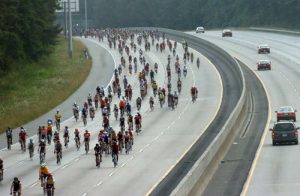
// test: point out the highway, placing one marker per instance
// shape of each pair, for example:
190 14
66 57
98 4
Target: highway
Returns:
165 137
275 169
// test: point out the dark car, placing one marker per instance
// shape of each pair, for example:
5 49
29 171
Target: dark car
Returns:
263 48
227 33
286 113
264 64
284 132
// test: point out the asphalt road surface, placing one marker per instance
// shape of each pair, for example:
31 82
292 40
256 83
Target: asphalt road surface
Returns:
165 136
275 169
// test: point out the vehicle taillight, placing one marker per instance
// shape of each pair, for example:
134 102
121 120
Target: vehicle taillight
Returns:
279 114
273 134
268 65
296 133
291 113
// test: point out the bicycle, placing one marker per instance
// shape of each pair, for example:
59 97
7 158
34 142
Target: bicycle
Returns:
23 145
76 114
57 124
66 142
115 160
84 120
98 159
9 143
58 158
42 157
31 153
194 97
127 147
49 137
77 143
87 147
50 191
1 175
116 114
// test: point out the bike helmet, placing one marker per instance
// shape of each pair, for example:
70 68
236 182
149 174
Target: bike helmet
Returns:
57 110
43 165
31 140
42 140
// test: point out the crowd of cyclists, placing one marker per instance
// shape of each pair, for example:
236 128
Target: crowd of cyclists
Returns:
112 141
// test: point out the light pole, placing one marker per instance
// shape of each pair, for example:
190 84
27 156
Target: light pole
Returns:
70 30
85 14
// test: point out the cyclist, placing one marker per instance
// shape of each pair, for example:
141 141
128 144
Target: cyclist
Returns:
198 62
77 136
86 137
184 71
9 137
55 137
175 96
97 150
92 111
16 187
66 136
84 115
120 140
75 111
90 99
49 131
116 111
122 123
22 138
125 82
127 142
57 117
1 169
194 93
138 103
151 102
44 171
58 150
115 150
42 148
122 107
130 121
128 108
50 183
137 123
31 148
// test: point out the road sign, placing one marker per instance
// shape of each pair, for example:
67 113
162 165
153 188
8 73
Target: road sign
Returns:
74 5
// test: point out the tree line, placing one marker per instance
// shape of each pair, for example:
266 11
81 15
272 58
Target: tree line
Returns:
187 14
27 31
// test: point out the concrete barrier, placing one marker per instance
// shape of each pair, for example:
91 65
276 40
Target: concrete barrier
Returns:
206 165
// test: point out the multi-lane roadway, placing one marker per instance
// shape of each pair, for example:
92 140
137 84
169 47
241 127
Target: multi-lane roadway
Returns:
165 137
275 169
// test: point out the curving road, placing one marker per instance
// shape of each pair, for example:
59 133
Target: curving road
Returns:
165 137
275 169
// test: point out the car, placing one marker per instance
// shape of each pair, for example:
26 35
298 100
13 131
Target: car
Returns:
286 113
263 49
200 30
284 132
264 64
227 33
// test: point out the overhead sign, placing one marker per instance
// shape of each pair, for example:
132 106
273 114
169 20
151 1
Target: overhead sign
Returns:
74 5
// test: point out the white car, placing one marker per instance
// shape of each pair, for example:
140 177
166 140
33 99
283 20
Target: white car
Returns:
226 33
200 30
263 48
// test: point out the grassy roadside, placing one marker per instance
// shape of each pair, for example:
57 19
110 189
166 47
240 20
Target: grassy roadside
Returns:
28 93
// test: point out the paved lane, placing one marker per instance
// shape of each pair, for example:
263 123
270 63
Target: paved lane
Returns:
165 136
275 169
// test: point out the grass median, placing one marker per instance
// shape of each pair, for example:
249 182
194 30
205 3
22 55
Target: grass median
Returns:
31 91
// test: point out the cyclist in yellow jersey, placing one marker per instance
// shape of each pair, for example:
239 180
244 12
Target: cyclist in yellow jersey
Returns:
44 171
57 119
57 116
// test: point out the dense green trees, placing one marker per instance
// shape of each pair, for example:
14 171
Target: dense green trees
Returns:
186 14
27 30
